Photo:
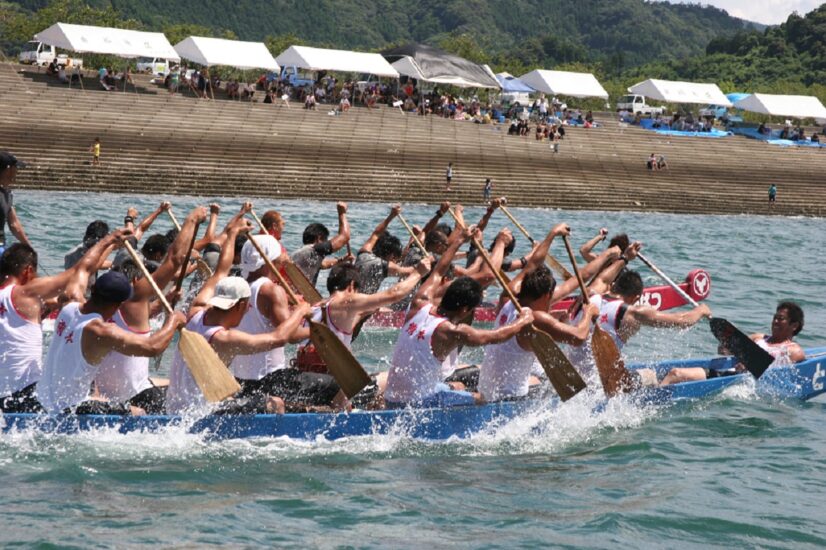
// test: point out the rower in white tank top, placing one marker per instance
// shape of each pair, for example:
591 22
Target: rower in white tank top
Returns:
611 312
67 376
415 373
122 377
21 351
780 351
507 367
320 316
258 365
183 393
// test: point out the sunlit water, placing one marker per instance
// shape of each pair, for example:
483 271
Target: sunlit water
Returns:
736 470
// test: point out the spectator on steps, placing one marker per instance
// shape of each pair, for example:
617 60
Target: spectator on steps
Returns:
651 164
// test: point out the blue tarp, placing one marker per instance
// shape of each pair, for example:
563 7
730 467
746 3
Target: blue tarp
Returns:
734 97
773 138
647 124
512 85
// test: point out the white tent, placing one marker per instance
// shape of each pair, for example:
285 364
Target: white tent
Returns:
795 106
318 59
672 91
409 67
109 41
564 83
230 53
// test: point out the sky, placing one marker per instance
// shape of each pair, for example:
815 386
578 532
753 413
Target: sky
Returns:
768 12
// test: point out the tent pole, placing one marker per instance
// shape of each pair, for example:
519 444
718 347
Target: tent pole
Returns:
209 83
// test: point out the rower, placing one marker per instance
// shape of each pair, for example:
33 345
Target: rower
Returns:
23 297
786 324
312 257
268 373
621 318
215 313
431 332
9 165
123 378
379 257
619 240
507 370
83 337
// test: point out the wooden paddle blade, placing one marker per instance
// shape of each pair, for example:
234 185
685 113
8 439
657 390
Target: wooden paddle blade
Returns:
554 264
300 282
209 372
755 358
612 372
347 371
561 373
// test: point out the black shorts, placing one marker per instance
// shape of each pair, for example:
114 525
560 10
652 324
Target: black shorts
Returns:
771 198
293 386
255 404
469 376
22 401
100 407
152 400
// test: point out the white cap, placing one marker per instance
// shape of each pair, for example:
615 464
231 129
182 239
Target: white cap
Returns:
229 291
250 258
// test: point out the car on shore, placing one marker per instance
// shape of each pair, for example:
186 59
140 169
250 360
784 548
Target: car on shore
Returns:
636 104
42 55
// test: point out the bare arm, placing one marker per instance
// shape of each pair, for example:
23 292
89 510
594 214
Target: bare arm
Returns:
457 238
17 228
434 221
395 210
483 222
447 336
100 338
362 303
585 249
651 317
223 267
229 343
343 236
575 335
209 236
569 286
605 279
147 222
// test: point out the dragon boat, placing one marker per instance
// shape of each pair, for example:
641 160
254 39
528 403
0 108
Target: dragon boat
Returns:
801 381
697 284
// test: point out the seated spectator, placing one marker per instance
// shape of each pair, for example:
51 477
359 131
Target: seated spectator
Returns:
662 164
815 138
513 129
651 163
658 122
589 117
61 75
344 104
637 119
309 102
103 74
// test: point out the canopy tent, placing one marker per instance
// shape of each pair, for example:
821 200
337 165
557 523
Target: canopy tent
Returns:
318 59
564 83
512 85
673 91
795 106
429 64
108 41
230 53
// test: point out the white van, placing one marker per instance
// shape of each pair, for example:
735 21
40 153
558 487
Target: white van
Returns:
636 104
156 66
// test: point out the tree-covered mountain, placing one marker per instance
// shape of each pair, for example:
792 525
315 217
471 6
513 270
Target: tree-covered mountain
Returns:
623 32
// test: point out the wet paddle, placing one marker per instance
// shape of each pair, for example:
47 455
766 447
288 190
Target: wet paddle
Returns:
348 372
416 239
552 262
295 275
612 372
207 369
174 219
561 373
180 282
755 358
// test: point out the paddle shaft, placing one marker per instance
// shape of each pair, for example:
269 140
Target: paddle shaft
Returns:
281 280
174 219
577 274
182 276
258 220
148 276
553 262
413 235
683 294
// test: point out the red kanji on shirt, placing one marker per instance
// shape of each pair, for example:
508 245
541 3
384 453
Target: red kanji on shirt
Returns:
61 326
3 310
411 328
420 336
503 319
69 338
603 319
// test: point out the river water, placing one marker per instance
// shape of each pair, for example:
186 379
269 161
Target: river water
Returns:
734 471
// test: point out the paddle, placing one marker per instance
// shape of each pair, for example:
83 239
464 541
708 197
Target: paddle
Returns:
552 262
295 275
174 220
612 372
416 239
561 373
180 283
207 369
348 372
755 358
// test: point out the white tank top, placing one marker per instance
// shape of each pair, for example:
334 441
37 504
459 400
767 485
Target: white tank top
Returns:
780 352
183 393
346 337
582 357
507 368
415 373
257 365
67 376
21 347
122 377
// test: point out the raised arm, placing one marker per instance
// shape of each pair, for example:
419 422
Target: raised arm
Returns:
147 222
569 286
238 225
209 236
343 236
222 239
483 222
434 221
605 279
395 210
457 239
585 249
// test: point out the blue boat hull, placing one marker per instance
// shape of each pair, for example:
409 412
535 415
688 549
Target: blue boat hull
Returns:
801 381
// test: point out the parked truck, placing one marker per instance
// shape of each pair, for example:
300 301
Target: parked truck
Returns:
636 104
42 54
